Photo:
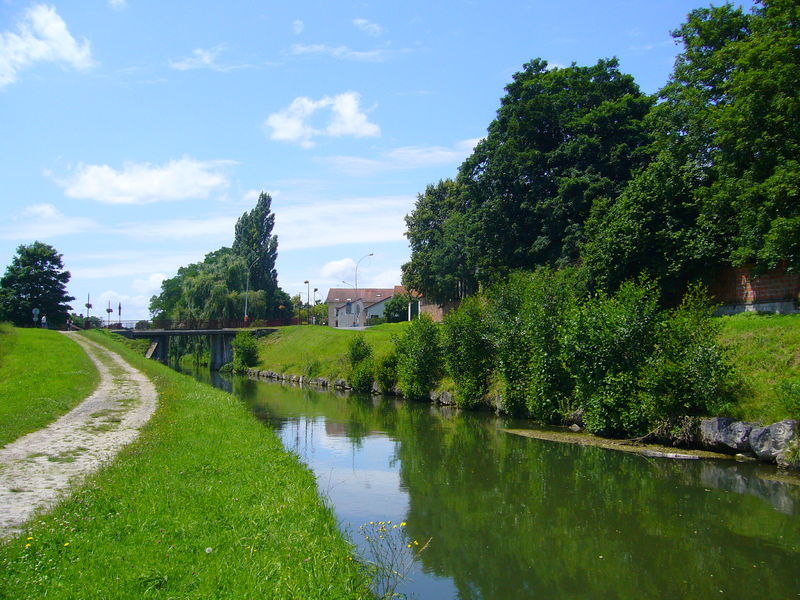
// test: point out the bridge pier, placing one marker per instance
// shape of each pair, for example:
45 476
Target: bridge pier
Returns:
162 349
221 350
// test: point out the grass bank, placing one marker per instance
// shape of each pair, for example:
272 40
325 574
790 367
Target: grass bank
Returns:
766 352
316 351
205 504
43 374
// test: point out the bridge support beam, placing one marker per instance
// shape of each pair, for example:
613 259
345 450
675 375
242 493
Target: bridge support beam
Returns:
162 349
221 350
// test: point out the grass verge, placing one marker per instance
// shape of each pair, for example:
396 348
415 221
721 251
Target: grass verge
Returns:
43 374
766 352
205 504
319 351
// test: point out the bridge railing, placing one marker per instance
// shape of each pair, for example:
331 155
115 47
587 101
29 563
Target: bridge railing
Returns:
177 325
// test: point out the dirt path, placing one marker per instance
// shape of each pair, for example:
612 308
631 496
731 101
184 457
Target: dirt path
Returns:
37 469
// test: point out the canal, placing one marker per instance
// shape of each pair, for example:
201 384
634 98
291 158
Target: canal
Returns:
510 517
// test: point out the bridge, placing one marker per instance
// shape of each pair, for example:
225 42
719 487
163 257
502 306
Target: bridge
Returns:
220 335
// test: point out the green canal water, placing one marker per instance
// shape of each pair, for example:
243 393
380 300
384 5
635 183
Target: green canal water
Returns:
511 517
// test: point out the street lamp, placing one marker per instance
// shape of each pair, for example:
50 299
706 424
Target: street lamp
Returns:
315 304
308 302
247 288
356 278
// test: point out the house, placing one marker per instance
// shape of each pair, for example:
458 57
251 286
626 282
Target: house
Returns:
348 307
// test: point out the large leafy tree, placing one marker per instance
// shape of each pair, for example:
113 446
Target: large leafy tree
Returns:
723 186
654 226
35 279
563 139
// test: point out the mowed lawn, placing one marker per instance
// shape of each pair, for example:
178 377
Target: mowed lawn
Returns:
206 503
43 374
316 350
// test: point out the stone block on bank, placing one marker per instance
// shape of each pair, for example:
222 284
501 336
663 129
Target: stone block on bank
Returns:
770 442
724 434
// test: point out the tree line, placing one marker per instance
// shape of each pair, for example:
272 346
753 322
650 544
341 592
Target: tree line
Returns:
215 289
579 167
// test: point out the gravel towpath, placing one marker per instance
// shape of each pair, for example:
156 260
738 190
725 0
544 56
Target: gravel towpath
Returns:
39 468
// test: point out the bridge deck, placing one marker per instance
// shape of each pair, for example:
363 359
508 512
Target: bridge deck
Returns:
151 333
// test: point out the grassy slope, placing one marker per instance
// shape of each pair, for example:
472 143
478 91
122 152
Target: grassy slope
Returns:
43 374
205 504
764 348
318 351
766 351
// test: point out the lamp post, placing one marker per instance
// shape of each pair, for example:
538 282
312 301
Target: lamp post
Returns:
315 304
357 263
247 288
308 302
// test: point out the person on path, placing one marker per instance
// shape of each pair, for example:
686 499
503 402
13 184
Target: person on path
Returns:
44 322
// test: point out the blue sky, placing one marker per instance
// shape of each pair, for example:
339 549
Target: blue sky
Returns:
133 134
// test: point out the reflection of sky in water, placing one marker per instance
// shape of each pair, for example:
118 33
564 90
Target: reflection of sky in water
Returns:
362 482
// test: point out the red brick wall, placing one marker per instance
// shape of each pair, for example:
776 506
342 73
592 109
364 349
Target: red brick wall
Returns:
739 286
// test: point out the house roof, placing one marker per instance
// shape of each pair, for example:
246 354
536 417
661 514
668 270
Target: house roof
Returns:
368 295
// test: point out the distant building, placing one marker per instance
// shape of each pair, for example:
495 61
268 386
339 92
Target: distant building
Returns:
353 308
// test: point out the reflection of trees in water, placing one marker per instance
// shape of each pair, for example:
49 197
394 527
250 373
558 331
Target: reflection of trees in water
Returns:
513 517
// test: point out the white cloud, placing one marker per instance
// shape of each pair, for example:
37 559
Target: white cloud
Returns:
204 59
403 158
340 52
298 26
372 29
320 223
145 183
41 36
149 286
293 124
130 264
44 221
118 4
211 228
339 270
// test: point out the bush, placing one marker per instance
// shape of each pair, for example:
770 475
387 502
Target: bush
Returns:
637 367
361 376
605 345
528 312
359 357
357 350
419 358
386 371
245 351
468 350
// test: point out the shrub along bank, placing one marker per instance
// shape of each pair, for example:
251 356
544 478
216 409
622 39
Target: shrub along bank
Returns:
43 374
205 504
539 346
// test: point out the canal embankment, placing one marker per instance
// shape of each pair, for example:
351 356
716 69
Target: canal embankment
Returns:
205 503
759 419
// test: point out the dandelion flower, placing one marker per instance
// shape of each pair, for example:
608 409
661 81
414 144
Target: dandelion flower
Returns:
29 538
27 545
67 544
